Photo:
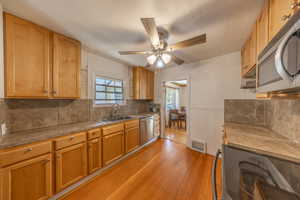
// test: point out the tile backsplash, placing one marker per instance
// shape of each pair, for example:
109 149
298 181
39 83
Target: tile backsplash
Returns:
281 116
32 114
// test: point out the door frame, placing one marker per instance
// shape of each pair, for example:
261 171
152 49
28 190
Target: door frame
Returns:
162 94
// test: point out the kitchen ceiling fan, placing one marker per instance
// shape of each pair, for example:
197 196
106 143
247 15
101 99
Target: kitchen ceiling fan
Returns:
161 52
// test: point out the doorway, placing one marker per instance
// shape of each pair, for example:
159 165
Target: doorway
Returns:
175 110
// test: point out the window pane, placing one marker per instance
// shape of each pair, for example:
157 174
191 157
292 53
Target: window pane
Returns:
119 96
110 82
110 96
119 89
110 89
118 83
100 88
100 95
100 81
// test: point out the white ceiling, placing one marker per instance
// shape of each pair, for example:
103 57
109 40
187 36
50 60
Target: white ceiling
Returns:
108 26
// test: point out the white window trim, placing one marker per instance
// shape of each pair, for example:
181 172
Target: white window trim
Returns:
95 75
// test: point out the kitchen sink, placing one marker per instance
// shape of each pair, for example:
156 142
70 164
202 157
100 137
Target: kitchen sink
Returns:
118 118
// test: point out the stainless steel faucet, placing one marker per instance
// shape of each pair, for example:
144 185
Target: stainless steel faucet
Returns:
115 110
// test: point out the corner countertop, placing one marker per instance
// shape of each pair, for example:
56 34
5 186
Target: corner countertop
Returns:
261 140
37 135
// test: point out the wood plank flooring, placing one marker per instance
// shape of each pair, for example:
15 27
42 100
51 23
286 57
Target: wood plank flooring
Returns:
162 171
176 135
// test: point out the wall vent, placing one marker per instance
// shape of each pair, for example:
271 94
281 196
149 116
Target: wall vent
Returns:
199 146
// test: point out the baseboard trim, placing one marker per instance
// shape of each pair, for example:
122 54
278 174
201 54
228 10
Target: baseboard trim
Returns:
91 177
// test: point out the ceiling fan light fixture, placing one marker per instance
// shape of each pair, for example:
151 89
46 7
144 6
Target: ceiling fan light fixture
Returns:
151 59
166 58
160 63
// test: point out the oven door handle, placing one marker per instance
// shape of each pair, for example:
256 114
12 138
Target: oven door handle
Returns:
279 65
214 176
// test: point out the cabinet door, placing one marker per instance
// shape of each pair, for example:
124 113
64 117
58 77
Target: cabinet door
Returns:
66 67
27 59
27 180
253 48
280 12
245 57
263 29
95 154
113 147
132 139
71 165
144 84
150 85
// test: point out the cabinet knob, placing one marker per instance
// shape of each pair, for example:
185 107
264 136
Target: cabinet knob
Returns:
286 17
54 92
45 91
72 137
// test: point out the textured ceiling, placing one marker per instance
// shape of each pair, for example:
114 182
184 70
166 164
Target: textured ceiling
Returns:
107 26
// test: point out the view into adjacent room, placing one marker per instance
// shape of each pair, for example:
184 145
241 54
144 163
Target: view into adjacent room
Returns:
176 98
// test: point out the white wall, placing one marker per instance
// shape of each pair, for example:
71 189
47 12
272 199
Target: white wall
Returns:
100 66
183 96
1 55
211 81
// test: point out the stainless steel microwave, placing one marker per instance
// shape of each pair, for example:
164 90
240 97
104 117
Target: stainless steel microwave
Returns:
278 68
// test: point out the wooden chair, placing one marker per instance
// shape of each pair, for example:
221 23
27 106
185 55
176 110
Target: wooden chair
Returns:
173 118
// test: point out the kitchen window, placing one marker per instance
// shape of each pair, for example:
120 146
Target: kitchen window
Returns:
108 91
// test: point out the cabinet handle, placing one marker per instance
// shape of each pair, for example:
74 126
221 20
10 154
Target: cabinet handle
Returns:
286 17
71 138
45 91
295 5
28 150
54 92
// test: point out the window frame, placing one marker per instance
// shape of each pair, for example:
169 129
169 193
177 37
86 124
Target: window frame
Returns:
109 101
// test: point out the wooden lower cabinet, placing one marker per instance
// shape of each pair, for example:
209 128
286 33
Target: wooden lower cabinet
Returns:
113 147
94 154
71 165
132 139
27 180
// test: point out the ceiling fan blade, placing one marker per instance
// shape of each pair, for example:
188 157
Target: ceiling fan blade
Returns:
151 29
177 60
187 43
132 52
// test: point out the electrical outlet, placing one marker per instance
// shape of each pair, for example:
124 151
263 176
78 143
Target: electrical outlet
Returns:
3 129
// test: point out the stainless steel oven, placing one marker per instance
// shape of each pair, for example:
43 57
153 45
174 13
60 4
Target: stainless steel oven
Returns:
251 176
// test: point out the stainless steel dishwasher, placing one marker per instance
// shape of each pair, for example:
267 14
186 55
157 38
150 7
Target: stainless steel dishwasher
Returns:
146 129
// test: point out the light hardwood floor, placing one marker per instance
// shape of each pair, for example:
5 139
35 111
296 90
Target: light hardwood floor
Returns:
162 171
176 135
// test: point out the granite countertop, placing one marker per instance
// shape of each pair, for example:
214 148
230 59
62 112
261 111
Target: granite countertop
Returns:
36 135
261 140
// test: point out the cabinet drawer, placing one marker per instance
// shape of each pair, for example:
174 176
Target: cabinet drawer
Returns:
23 153
113 129
132 124
70 140
94 133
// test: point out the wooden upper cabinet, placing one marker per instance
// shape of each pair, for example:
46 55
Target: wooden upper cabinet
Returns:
38 62
143 84
66 67
27 180
27 59
279 13
245 53
263 29
253 47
